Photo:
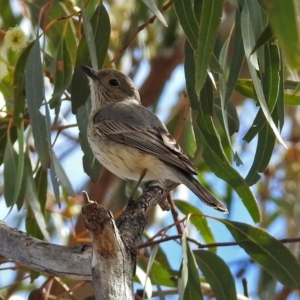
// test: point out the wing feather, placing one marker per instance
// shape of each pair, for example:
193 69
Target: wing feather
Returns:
155 141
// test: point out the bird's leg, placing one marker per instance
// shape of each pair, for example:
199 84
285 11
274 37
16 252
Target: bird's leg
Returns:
137 185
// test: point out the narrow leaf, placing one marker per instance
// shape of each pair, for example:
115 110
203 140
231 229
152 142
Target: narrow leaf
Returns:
283 15
62 176
63 73
90 37
34 85
210 19
217 273
33 201
267 251
19 86
101 28
189 283
152 6
188 22
90 164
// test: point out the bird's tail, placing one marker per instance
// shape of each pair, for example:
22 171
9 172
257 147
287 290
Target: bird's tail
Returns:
201 192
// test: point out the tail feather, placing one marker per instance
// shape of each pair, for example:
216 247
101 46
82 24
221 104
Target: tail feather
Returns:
201 192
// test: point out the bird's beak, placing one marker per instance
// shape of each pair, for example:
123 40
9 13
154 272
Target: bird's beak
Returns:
89 72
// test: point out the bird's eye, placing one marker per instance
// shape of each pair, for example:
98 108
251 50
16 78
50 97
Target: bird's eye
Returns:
113 82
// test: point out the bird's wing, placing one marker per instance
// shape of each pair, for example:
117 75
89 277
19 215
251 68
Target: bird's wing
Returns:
155 141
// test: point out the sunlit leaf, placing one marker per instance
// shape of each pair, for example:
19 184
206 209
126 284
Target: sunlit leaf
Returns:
152 6
283 16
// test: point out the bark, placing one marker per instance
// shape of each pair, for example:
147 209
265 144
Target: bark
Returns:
109 263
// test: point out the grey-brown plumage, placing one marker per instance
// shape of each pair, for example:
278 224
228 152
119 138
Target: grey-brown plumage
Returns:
129 140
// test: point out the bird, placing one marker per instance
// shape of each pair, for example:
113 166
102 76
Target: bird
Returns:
131 141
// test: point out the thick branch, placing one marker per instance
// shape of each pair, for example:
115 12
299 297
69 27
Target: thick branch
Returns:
62 261
115 243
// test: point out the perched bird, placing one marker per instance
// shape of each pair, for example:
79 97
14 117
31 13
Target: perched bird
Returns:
130 141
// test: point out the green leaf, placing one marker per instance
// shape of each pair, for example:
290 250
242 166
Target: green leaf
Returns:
283 16
232 115
34 86
41 185
19 178
217 273
237 57
245 87
10 171
31 225
101 27
199 222
253 64
14 178
159 274
206 134
273 90
263 154
210 19
62 176
90 37
33 201
19 86
188 22
189 283
63 73
267 251
152 6
189 71
91 165
223 169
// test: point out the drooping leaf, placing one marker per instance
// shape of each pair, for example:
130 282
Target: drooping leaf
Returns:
267 251
90 164
217 274
62 176
90 36
10 171
152 6
34 86
41 184
206 134
19 86
101 28
211 13
253 64
33 201
283 15
63 73
188 21
189 283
